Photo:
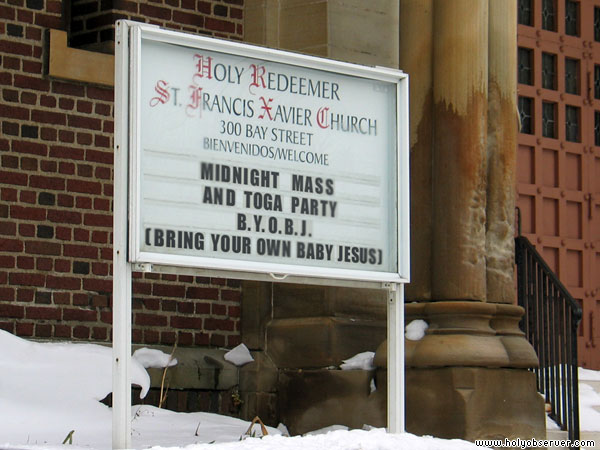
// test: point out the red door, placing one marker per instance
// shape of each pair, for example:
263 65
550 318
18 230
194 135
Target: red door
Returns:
558 158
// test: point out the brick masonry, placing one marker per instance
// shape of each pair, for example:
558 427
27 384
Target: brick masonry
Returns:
91 22
56 188
219 402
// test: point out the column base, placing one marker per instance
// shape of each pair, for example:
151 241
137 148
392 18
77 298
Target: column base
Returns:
474 403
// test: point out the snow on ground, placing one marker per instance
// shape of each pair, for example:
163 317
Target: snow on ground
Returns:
588 375
589 399
376 439
589 402
589 408
49 389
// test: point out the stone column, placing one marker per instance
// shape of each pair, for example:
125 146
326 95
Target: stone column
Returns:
461 58
460 98
416 48
348 30
501 151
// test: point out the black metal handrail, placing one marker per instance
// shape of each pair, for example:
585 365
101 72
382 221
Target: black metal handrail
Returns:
550 324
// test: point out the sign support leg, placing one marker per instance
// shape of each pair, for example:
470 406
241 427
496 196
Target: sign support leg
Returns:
121 398
121 334
395 358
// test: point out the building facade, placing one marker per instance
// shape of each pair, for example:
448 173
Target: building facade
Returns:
57 114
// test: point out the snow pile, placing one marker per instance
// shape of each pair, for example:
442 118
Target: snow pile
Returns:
153 359
47 390
361 361
375 439
239 355
589 417
415 330
152 426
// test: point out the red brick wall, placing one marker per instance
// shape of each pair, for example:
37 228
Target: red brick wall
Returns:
91 22
56 194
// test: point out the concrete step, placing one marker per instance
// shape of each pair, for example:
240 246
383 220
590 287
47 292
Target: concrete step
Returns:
557 435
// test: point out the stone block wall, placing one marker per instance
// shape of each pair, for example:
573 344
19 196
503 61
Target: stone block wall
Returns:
56 189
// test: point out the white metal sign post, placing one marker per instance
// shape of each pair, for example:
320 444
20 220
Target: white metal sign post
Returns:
258 164
121 397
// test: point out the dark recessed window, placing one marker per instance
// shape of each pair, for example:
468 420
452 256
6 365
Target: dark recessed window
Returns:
597 128
572 123
571 18
596 81
549 119
525 65
549 15
525 114
572 76
525 12
596 23
548 71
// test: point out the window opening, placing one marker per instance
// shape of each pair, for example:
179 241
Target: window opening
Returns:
525 66
548 71
572 123
571 18
525 12
597 81
597 23
597 128
572 76
549 119
549 15
525 113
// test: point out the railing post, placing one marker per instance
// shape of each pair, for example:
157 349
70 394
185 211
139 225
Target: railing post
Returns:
575 318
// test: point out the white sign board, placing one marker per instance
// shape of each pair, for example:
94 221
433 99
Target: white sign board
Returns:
256 160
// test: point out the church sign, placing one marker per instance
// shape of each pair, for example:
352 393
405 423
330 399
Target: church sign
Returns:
255 163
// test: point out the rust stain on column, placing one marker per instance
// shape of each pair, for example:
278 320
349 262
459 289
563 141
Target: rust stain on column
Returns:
460 87
416 34
502 144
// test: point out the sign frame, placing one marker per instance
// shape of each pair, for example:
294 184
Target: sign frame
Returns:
152 33
125 258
